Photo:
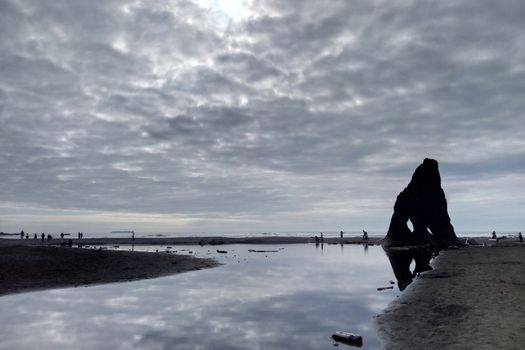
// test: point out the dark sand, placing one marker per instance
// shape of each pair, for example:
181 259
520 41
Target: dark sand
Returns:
26 268
473 299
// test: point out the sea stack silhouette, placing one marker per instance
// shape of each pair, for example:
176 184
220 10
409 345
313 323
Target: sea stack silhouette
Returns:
423 202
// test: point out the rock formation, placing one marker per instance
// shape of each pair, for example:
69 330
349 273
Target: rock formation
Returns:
422 202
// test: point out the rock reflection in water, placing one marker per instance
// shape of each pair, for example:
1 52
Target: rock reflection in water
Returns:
401 258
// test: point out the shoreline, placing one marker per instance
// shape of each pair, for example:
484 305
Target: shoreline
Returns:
28 268
33 264
472 299
219 240
210 240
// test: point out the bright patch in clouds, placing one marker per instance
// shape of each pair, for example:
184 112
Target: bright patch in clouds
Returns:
233 9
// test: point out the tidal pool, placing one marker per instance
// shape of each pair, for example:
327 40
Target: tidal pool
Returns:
293 298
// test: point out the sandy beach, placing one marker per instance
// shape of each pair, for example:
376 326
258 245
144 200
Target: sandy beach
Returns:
27 268
473 299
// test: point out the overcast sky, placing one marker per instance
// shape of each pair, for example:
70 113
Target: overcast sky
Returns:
257 116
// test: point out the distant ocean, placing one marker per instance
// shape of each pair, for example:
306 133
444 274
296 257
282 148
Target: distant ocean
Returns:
138 234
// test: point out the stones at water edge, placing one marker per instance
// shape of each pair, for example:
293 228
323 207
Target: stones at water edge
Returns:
423 202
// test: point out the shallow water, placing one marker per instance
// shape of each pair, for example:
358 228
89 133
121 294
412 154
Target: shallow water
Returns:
294 298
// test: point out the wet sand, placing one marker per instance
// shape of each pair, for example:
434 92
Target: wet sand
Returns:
27 268
473 299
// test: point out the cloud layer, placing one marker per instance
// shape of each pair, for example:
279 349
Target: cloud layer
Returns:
296 116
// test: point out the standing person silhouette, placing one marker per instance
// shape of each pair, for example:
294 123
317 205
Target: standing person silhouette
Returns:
520 237
341 233
365 236
22 234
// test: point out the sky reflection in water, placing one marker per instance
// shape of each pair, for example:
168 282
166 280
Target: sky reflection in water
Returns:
292 299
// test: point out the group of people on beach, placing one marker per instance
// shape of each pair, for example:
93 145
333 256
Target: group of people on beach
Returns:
341 234
49 237
495 237
26 235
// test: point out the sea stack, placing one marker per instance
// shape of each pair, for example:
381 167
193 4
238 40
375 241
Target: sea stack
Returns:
422 202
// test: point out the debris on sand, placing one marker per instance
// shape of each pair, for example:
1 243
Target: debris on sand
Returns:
348 338
262 251
383 288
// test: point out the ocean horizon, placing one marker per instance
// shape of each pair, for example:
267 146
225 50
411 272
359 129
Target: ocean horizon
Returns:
151 234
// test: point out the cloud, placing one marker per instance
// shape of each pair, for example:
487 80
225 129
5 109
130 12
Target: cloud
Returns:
299 110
